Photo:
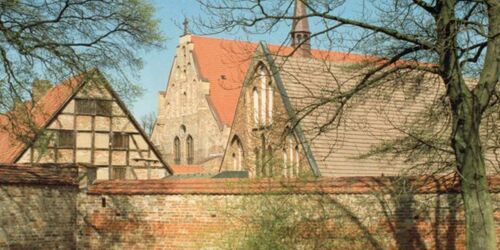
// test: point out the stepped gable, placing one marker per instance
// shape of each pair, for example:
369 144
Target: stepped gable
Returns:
224 64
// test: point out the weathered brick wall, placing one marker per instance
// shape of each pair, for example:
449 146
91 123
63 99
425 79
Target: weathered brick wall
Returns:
37 216
349 214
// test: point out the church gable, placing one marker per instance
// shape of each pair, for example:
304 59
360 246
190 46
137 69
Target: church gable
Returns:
94 127
262 140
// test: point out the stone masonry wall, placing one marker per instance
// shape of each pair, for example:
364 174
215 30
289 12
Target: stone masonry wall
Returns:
37 216
348 213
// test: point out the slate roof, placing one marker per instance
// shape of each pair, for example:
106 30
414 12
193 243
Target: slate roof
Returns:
224 64
370 118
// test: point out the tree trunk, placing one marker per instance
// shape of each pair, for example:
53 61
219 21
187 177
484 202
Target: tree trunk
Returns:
479 220
467 108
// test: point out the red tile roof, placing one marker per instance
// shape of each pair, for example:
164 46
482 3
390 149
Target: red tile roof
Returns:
187 169
224 64
13 129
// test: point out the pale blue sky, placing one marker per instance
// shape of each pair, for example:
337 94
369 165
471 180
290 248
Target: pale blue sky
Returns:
171 13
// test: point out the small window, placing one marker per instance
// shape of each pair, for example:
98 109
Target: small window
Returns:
65 139
120 141
84 107
93 107
177 150
190 149
119 173
103 108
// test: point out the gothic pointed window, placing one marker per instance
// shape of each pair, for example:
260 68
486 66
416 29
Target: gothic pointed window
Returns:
190 149
237 155
270 96
285 161
291 157
255 96
269 166
263 156
177 150
257 162
296 165
263 102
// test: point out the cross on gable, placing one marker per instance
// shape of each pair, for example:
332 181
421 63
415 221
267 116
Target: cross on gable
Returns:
186 26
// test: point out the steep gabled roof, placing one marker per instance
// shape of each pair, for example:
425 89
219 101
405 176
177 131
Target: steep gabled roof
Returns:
13 128
307 85
17 140
224 63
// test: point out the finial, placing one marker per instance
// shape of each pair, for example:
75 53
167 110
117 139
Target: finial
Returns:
186 26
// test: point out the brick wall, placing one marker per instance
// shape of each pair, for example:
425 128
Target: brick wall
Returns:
37 207
335 213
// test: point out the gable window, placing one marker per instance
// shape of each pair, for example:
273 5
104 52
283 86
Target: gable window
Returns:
84 107
270 96
65 139
177 150
93 107
255 96
120 141
103 108
263 103
190 149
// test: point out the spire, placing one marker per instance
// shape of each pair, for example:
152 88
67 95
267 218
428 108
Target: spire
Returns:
186 26
300 33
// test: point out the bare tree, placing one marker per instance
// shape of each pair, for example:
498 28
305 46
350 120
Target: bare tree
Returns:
148 122
58 38
452 40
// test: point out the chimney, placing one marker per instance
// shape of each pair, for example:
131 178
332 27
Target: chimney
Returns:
300 33
40 88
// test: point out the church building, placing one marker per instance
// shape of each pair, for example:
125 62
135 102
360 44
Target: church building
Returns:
196 111
267 110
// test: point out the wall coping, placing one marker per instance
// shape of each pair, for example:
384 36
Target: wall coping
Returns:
39 174
330 185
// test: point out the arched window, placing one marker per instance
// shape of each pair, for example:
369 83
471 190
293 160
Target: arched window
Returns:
237 155
190 149
263 87
257 162
177 150
291 156
296 165
263 155
285 161
269 171
270 96
255 95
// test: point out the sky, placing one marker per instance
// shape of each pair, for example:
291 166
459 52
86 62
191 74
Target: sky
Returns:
171 13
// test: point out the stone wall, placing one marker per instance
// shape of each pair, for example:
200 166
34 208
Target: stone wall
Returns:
37 208
349 213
